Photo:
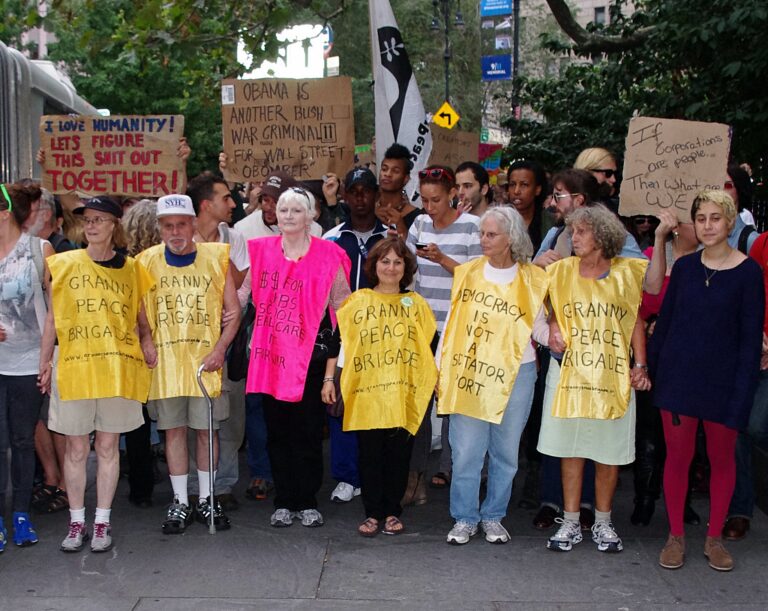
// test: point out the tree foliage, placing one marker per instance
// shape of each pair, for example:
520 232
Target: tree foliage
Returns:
692 61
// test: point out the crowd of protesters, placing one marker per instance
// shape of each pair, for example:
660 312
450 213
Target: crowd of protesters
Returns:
525 317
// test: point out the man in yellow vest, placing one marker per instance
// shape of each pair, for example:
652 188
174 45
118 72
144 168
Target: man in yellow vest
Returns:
194 283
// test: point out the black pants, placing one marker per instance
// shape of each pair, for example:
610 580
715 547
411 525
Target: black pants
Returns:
383 458
138 450
295 445
20 402
650 450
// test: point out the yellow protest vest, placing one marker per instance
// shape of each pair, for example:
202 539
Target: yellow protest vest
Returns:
95 312
184 312
596 318
487 331
389 372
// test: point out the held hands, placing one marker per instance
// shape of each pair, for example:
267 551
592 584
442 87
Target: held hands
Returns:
227 316
638 378
44 377
556 341
149 351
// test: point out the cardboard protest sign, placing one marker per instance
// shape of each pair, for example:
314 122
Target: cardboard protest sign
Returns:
667 162
451 147
303 127
118 155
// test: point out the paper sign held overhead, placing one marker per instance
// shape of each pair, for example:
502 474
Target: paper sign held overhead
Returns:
668 161
446 116
452 147
302 127
120 155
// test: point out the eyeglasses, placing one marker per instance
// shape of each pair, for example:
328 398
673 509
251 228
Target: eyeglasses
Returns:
558 196
436 174
729 185
607 173
7 198
96 220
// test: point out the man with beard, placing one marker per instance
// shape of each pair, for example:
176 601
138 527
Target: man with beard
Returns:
194 284
357 236
474 187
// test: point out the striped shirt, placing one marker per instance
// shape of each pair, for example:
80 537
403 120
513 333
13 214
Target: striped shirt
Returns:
460 241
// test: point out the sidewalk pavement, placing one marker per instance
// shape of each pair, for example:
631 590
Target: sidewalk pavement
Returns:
255 566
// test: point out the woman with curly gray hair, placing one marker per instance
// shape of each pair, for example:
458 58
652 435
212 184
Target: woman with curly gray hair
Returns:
489 370
589 407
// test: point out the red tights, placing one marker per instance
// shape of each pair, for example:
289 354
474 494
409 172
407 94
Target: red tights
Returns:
721 450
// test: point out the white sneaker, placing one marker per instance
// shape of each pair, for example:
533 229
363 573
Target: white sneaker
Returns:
494 531
311 518
76 537
102 537
606 538
568 535
461 533
281 518
344 493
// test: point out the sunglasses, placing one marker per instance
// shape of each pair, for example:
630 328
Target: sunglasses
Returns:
607 173
7 198
436 174
729 185
641 220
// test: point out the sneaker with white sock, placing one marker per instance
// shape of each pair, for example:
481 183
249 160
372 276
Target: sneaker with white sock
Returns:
76 537
604 535
281 518
494 531
311 518
344 493
102 537
568 535
461 533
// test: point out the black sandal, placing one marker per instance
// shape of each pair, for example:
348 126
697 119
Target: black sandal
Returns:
51 500
440 480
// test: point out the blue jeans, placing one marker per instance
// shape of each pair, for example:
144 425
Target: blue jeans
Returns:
743 499
343 453
471 439
256 438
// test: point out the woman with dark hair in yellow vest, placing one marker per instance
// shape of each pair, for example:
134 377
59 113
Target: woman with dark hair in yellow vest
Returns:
102 375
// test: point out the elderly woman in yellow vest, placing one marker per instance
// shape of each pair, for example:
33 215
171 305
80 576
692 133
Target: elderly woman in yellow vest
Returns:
589 407
102 375
388 379
488 370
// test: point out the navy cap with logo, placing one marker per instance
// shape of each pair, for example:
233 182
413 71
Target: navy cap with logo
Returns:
361 176
277 183
102 203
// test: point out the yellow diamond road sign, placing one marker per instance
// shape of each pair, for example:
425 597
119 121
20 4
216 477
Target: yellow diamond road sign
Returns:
446 116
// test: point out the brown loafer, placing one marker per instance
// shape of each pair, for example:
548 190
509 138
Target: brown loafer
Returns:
718 556
735 529
673 554
545 517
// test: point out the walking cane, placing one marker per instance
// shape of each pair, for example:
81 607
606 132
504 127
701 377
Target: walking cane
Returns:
211 525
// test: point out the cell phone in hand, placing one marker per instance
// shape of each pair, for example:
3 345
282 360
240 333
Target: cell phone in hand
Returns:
421 245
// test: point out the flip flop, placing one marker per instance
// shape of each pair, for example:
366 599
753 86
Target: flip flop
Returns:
393 526
369 528
440 480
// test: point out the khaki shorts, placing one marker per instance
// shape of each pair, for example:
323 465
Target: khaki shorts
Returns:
82 416
191 412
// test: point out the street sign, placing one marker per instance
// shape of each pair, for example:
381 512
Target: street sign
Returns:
446 116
